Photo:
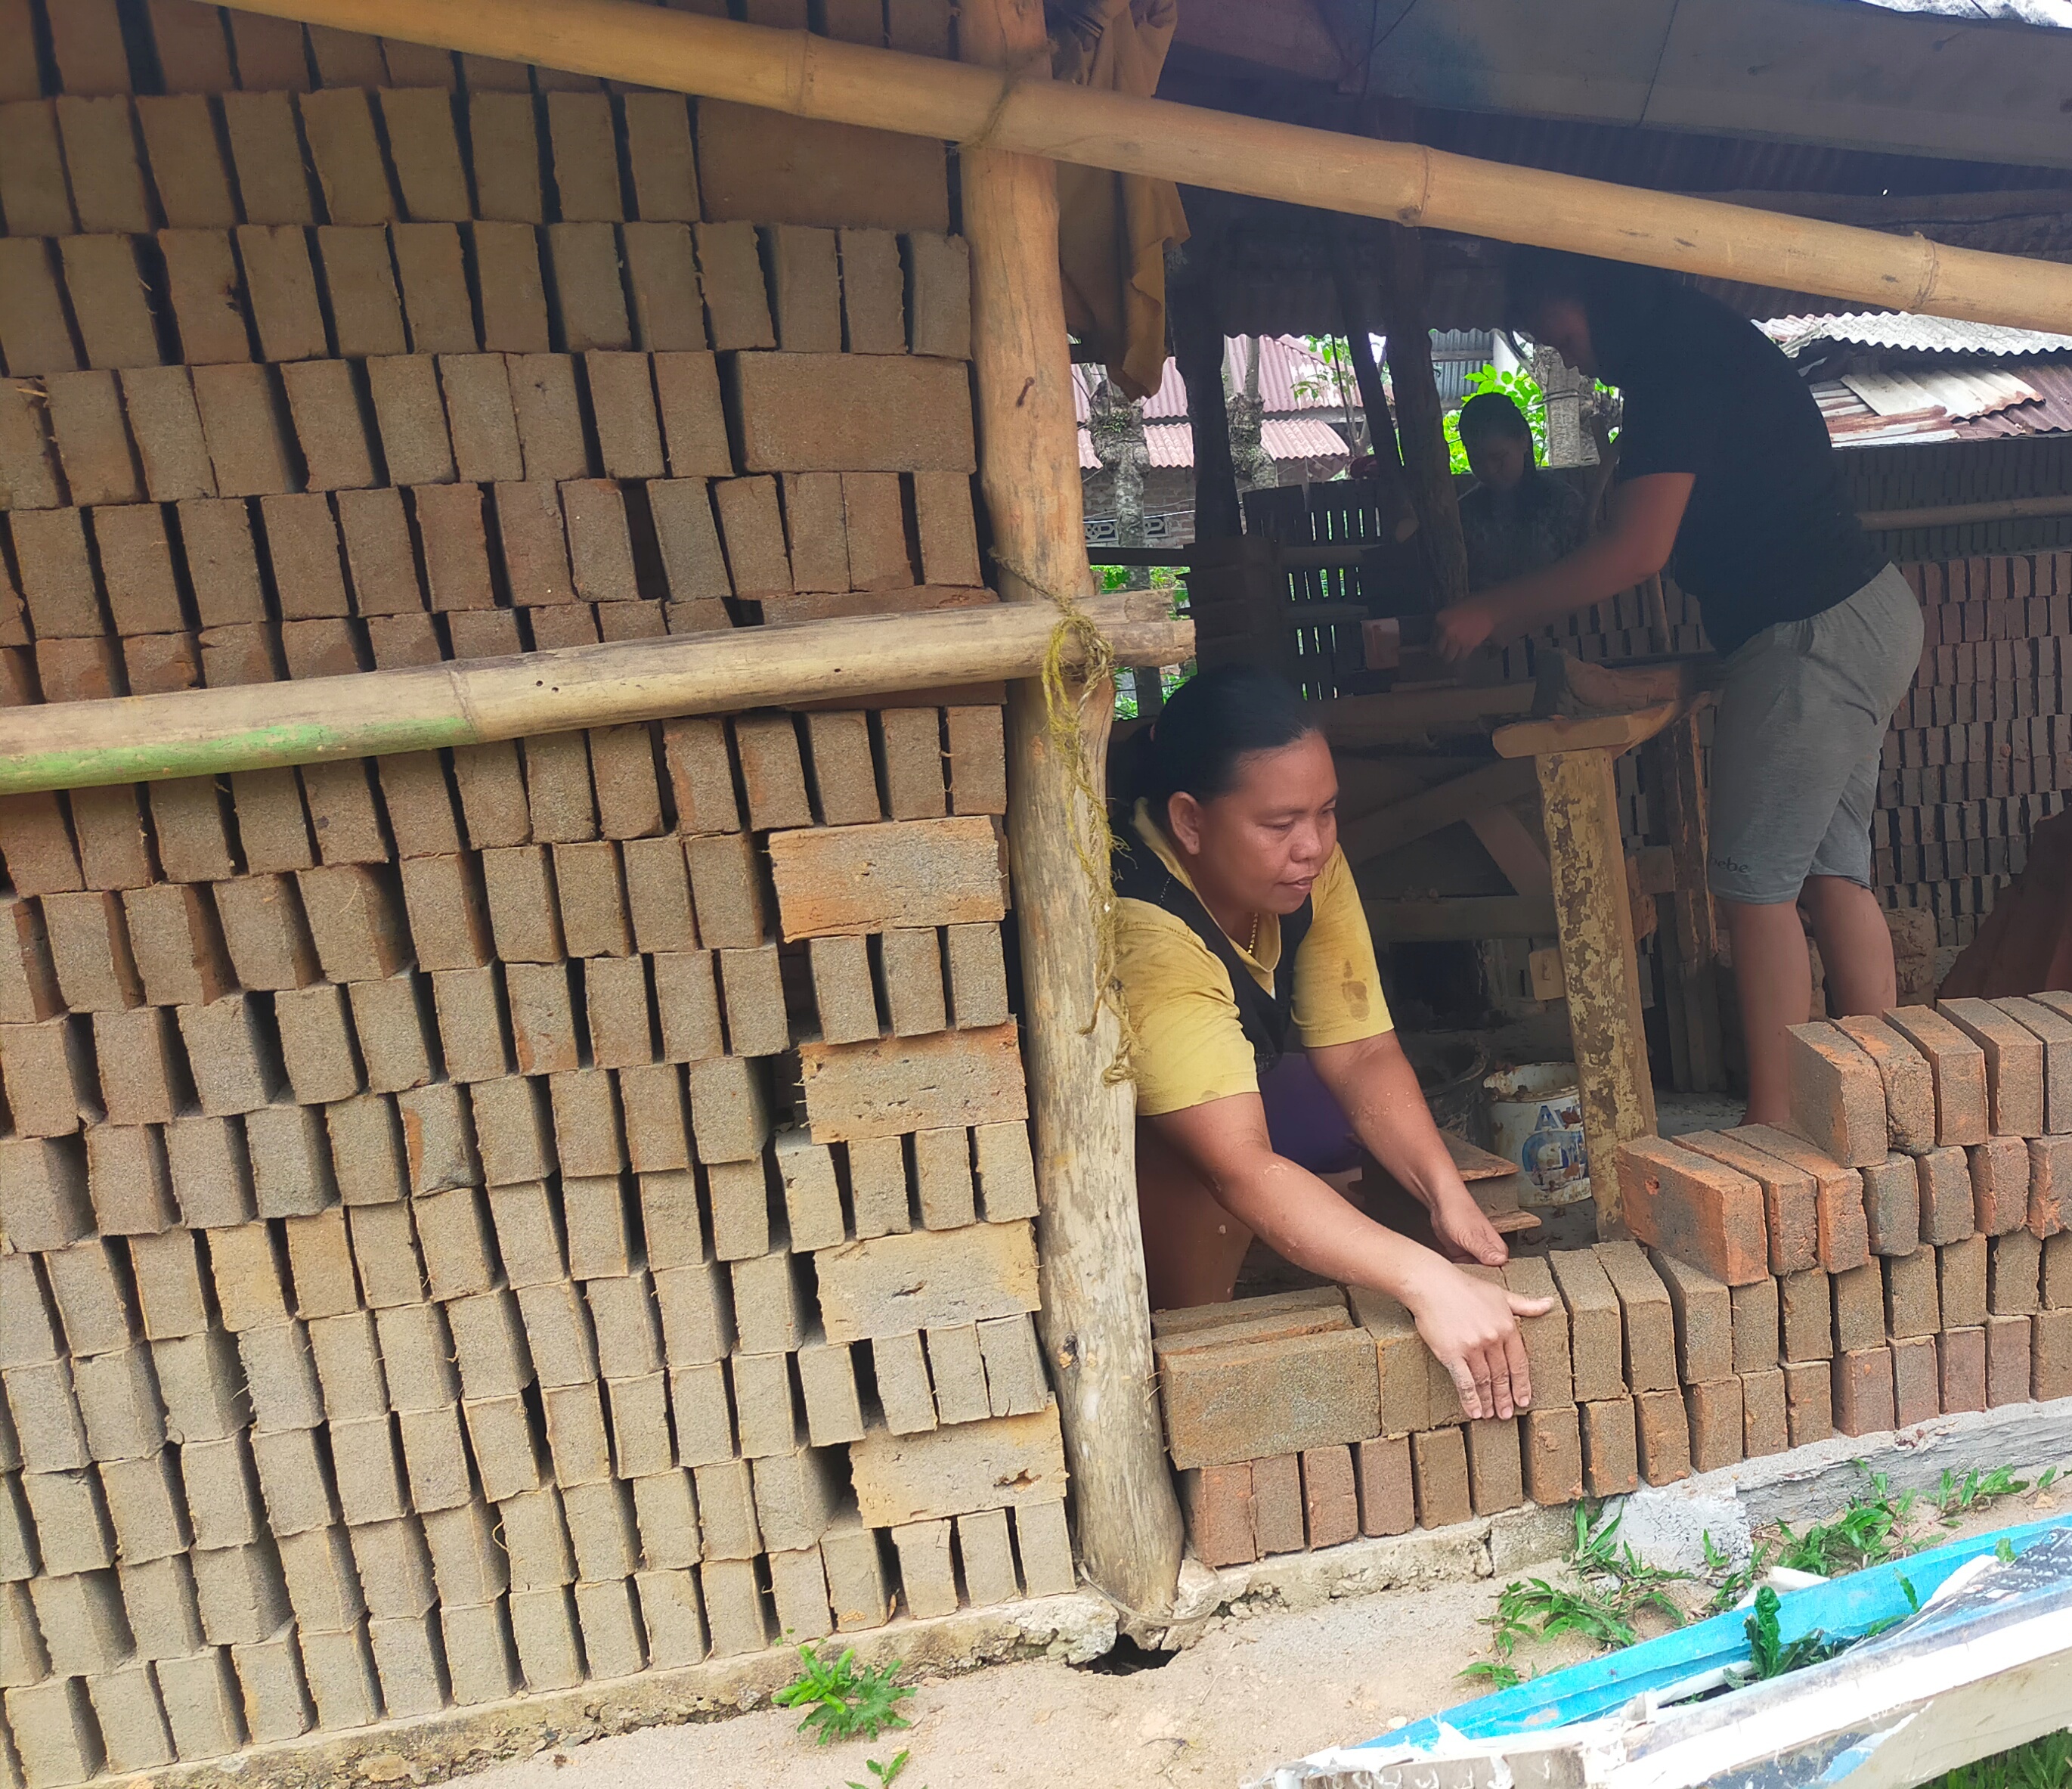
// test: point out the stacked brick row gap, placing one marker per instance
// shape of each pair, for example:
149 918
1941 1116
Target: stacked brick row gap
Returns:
306 383
431 1280
1901 1251
473 1222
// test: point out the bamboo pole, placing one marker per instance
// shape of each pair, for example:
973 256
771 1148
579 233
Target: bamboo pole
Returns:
205 732
820 77
1095 1315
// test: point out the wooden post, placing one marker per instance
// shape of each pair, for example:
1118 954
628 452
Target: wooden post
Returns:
1198 347
1676 768
1391 494
1421 416
1594 922
1095 1317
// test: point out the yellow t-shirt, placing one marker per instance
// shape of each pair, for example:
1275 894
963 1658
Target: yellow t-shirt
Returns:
1191 1044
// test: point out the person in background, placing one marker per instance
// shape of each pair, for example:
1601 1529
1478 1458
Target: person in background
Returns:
1724 460
1518 518
1264 1053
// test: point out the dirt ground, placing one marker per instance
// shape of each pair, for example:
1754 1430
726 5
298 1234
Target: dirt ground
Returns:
1253 1694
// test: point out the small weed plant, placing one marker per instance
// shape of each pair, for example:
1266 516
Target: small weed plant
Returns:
844 1700
1769 1654
1613 1588
2044 1763
882 1776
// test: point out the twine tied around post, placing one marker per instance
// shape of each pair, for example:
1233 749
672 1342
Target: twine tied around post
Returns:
1078 650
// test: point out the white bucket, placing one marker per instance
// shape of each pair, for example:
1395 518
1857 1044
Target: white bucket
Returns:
1537 1116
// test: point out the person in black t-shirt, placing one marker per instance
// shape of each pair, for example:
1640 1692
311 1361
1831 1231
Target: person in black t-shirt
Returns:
1725 462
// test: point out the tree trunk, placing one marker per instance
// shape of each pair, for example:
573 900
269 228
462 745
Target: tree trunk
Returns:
1095 1316
1391 493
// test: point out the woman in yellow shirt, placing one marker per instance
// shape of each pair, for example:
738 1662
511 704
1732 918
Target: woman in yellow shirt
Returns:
1265 1055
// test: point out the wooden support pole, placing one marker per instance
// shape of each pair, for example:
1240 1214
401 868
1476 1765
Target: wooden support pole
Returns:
1421 417
1095 1317
1416 816
819 77
1594 922
1197 349
1391 494
251 726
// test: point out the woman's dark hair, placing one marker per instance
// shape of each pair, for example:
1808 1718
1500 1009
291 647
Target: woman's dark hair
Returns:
1209 722
1494 415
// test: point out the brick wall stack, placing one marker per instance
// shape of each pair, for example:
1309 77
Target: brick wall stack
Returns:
477 1222
1901 1252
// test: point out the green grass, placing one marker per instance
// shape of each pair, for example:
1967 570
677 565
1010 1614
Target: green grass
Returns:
843 1700
1612 1589
2044 1763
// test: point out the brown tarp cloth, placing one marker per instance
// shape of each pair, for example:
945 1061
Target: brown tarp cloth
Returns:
2024 944
1113 228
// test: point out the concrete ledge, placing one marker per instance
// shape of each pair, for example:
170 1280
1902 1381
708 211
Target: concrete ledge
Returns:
456 1741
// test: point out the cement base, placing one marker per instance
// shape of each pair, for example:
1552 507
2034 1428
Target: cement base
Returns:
456 1741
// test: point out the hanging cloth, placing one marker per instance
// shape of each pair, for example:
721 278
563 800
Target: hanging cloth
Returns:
1113 229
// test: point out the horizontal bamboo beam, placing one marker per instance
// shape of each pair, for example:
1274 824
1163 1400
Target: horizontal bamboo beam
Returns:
819 77
249 726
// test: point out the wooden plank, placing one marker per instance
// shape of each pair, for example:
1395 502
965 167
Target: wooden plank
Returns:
1583 732
1416 816
1406 716
1466 916
1516 852
1594 922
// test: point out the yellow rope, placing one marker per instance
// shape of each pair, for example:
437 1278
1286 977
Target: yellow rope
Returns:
1079 652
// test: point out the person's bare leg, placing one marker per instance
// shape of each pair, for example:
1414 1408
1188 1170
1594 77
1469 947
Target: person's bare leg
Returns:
1775 977
1855 945
1192 1247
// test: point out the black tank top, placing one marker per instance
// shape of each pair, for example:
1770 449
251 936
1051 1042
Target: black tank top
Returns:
1136 874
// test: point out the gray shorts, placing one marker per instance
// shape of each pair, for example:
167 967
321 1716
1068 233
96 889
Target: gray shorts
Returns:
1802 712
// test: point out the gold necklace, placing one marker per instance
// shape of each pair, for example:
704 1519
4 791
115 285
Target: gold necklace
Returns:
1252 948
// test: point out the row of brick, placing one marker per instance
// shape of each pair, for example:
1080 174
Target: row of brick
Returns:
1288 1429
833 768
190 47
292 294
371 152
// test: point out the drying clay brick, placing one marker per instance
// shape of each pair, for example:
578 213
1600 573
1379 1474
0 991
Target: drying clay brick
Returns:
937 294
1440 1470
167 427
878 1192
920 410
2014 1064
1704 1313
1999 1184
1236 1401
1912 1302
1546 1337
806 289
244 421
1960 1270
1863 1401
1962 1354
1917 1380
1948 1203
1809 1402
1789 1196
1859 1307
2050 1185
1892 1206
1765 1426
1610 1447
1841 1228
1663 1433
2054 1029
1807 1311
2008 1358
448 911
435 296
874 526
1277 1491
953 1079
281 287
543 1025
1649 1322
911 749
873 878
1716 1418
1959 1066
207 297
1910 1085
1595 1334
1695 1210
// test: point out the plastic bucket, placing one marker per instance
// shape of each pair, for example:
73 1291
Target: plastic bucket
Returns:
1536 1119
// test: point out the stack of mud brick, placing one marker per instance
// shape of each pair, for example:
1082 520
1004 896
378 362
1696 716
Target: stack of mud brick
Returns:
475 1222
1980 749
307 382
1901 1253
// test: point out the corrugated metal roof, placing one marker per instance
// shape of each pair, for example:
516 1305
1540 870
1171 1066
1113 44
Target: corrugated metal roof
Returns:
1957 392
1913 335
1171 445
2050 14
1291 380
1852 422
2051 414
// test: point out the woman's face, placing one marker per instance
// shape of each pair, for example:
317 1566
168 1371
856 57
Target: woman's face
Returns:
1262 844
1498 461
